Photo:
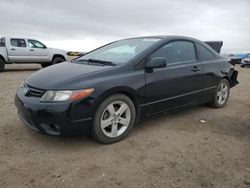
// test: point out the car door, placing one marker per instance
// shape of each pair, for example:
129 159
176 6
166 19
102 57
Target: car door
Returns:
18 51
179 83
211 65
38 52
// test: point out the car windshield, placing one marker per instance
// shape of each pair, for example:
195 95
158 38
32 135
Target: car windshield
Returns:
119 52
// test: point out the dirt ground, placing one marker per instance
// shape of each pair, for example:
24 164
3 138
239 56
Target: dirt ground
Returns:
175 150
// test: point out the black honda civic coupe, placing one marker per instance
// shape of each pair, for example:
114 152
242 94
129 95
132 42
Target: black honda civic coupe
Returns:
108 90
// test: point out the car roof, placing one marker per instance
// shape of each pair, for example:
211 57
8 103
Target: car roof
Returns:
165 38
168 37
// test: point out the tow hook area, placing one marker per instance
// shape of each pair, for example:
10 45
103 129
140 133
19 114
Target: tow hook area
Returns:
51 129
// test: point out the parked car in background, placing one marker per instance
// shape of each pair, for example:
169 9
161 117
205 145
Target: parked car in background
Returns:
75 53
245 62
109 89
24 50
236 58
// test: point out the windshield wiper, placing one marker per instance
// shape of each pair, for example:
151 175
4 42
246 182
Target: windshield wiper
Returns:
80 60
99 61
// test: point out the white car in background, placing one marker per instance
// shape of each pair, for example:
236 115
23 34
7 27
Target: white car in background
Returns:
24 50
245 62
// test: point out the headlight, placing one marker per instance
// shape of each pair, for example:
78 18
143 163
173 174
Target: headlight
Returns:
59 96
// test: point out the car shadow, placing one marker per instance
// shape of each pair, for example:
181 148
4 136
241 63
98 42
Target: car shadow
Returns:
83 138
21 70
171 120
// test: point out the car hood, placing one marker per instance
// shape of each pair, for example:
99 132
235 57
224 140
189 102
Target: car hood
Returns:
56 75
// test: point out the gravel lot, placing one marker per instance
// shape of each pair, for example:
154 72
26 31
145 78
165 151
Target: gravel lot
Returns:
175 150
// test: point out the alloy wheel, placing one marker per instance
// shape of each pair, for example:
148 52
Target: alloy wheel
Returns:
222 93
115 119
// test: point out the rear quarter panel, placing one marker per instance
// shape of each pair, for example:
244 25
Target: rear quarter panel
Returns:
215 70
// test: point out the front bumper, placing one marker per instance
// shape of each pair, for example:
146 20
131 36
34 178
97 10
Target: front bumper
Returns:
53 118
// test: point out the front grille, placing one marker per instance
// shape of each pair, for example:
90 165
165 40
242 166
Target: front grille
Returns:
33 92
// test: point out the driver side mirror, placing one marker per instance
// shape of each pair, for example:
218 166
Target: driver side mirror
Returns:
156 62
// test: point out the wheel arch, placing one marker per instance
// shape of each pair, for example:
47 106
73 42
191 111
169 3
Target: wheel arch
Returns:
2 58
227 78
125 91
230 74
58 55
232 78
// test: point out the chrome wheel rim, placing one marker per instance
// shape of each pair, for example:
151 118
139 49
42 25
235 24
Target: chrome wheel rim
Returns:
115 119
222 93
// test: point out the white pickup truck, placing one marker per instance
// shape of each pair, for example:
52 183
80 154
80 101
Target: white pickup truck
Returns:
23 50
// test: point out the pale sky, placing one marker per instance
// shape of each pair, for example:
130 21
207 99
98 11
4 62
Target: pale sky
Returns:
82 25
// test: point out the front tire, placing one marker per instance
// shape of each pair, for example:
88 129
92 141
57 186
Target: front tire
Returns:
57 60
114 119
221 94
2 65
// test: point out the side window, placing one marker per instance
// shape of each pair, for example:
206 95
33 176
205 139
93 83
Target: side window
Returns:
35 44
177 51
18 42
203 53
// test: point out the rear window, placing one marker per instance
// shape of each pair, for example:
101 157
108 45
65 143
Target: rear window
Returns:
18 42
2 42
203 53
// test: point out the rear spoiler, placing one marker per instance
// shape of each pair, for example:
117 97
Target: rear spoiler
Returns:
216 45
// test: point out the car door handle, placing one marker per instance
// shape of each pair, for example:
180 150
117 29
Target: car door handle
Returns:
12 49
32 50
195 69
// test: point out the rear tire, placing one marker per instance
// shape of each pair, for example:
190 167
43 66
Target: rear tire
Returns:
221 94
114 119
57 60
2 65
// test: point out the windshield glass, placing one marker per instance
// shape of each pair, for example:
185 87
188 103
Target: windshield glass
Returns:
121 51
